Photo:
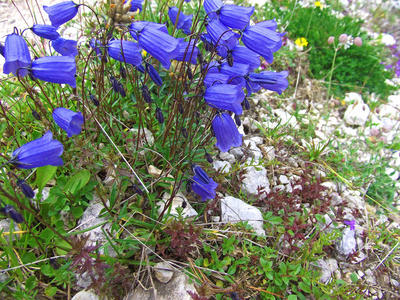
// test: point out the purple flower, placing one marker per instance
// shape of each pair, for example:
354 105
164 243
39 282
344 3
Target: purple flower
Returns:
272 81
16 54
184 22
262 39
154 74
45 31
125 51
199 172
38 153
154 38
56 69
204 190
215 78
225 96
68 120
65 47
222 35
243 55
135 5
226 132
351 223
61 13
186 52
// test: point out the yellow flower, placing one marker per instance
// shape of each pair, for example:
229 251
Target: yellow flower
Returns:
301 42
144 52
318 4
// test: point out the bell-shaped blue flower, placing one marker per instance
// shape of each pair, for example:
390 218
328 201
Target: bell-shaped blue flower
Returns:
138 26
184 22
55 69
152 38
214 78
125 51
135 5
226 132
65 47
61 13
45 31
97 46
235 16
68 120
262 39
186 52
16 54
225 96
269 80
243 55
222 35
212 7
204 190
199 172
38 153
153 74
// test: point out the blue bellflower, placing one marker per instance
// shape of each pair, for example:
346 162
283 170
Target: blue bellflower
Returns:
135 5
225 96
204 190
269 80
230 15
55 69
16 54
262 39
45 31
97 46
65 47
184 22
68 120
243 55
129 51
186 52
199 172
222 36
158 43
61 13
38 153
226 132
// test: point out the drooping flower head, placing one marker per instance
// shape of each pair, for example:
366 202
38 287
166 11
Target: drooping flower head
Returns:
41 152
125 51
262 39
225 96
45 31
68 120
25 188
55 69
135 5
61 13
222 36
199 172
184 22
16 54
204 190
186 52
269 80
154 38
226 132
65 47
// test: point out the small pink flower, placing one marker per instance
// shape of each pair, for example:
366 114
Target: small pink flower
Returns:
343 38
358 41
374 132
331 40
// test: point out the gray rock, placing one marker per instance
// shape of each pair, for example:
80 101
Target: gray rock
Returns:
270 152
227 157
86 295
222 166
176 288
187 212
254 179
257 154
347 243
235 210
163 272
237 152
283 179
257 140
328 267
5 227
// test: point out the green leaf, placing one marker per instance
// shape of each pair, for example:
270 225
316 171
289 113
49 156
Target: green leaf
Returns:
292 297
77 182
304 287
354 277
50 291
43 175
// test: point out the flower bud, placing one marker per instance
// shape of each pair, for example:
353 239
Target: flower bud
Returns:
246 103
331 39
114 84
200 58
136 189
36 115
184 132
159 116
154 74
209 158
122 71
11 212
94 100
180 109
189 73
237 120
121 89
229 58
343 38
358 41
25 188
146 94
